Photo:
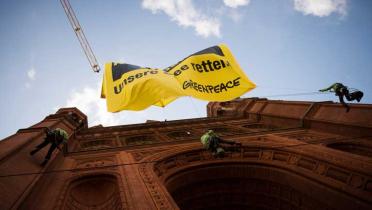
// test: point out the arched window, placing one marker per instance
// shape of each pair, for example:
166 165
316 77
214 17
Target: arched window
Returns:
93 192
139 140
253 183
181 135
97 144
238 186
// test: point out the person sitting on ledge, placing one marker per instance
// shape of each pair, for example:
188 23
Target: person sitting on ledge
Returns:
212 142
54 138
341 91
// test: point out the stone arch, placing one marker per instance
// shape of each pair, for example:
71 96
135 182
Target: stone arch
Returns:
92 191
240 186
253 178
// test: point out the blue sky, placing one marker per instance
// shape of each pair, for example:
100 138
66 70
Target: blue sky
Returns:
284 46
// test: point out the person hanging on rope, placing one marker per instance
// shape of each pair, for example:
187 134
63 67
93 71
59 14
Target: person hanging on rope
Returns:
54 138
341 91
212 142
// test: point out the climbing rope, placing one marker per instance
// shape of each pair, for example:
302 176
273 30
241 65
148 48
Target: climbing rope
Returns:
296 94
195 108
282 88
146 162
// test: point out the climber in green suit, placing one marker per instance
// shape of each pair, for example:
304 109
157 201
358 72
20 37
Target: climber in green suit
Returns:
54 138
341 91
212 142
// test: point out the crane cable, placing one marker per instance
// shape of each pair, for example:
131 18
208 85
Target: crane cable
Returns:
80 35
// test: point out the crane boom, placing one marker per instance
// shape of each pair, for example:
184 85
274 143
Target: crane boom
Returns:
80 35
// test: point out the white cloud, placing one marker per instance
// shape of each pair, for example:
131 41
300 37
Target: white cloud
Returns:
236 3
31 74
89 102
320 8
31 77
232 13
185 14
235 15
207 21
27 85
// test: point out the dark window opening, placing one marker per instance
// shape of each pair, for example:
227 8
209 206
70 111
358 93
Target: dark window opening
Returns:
139 140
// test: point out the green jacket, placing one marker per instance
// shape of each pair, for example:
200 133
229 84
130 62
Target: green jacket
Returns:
61 132
333 88
205 139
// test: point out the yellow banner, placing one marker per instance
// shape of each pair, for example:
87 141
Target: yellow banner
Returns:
211 74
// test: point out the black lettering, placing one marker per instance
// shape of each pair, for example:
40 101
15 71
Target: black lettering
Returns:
205 89
195 85
177 72
184 67
223 87
216 65
199 68
223 64
139 75
186 84
120 88
207 65
229 84
193 66
210 87
210 65
130 79
216 89
204 66
236 81
153 72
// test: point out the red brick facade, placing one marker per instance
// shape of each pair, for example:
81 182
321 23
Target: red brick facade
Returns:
295 155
